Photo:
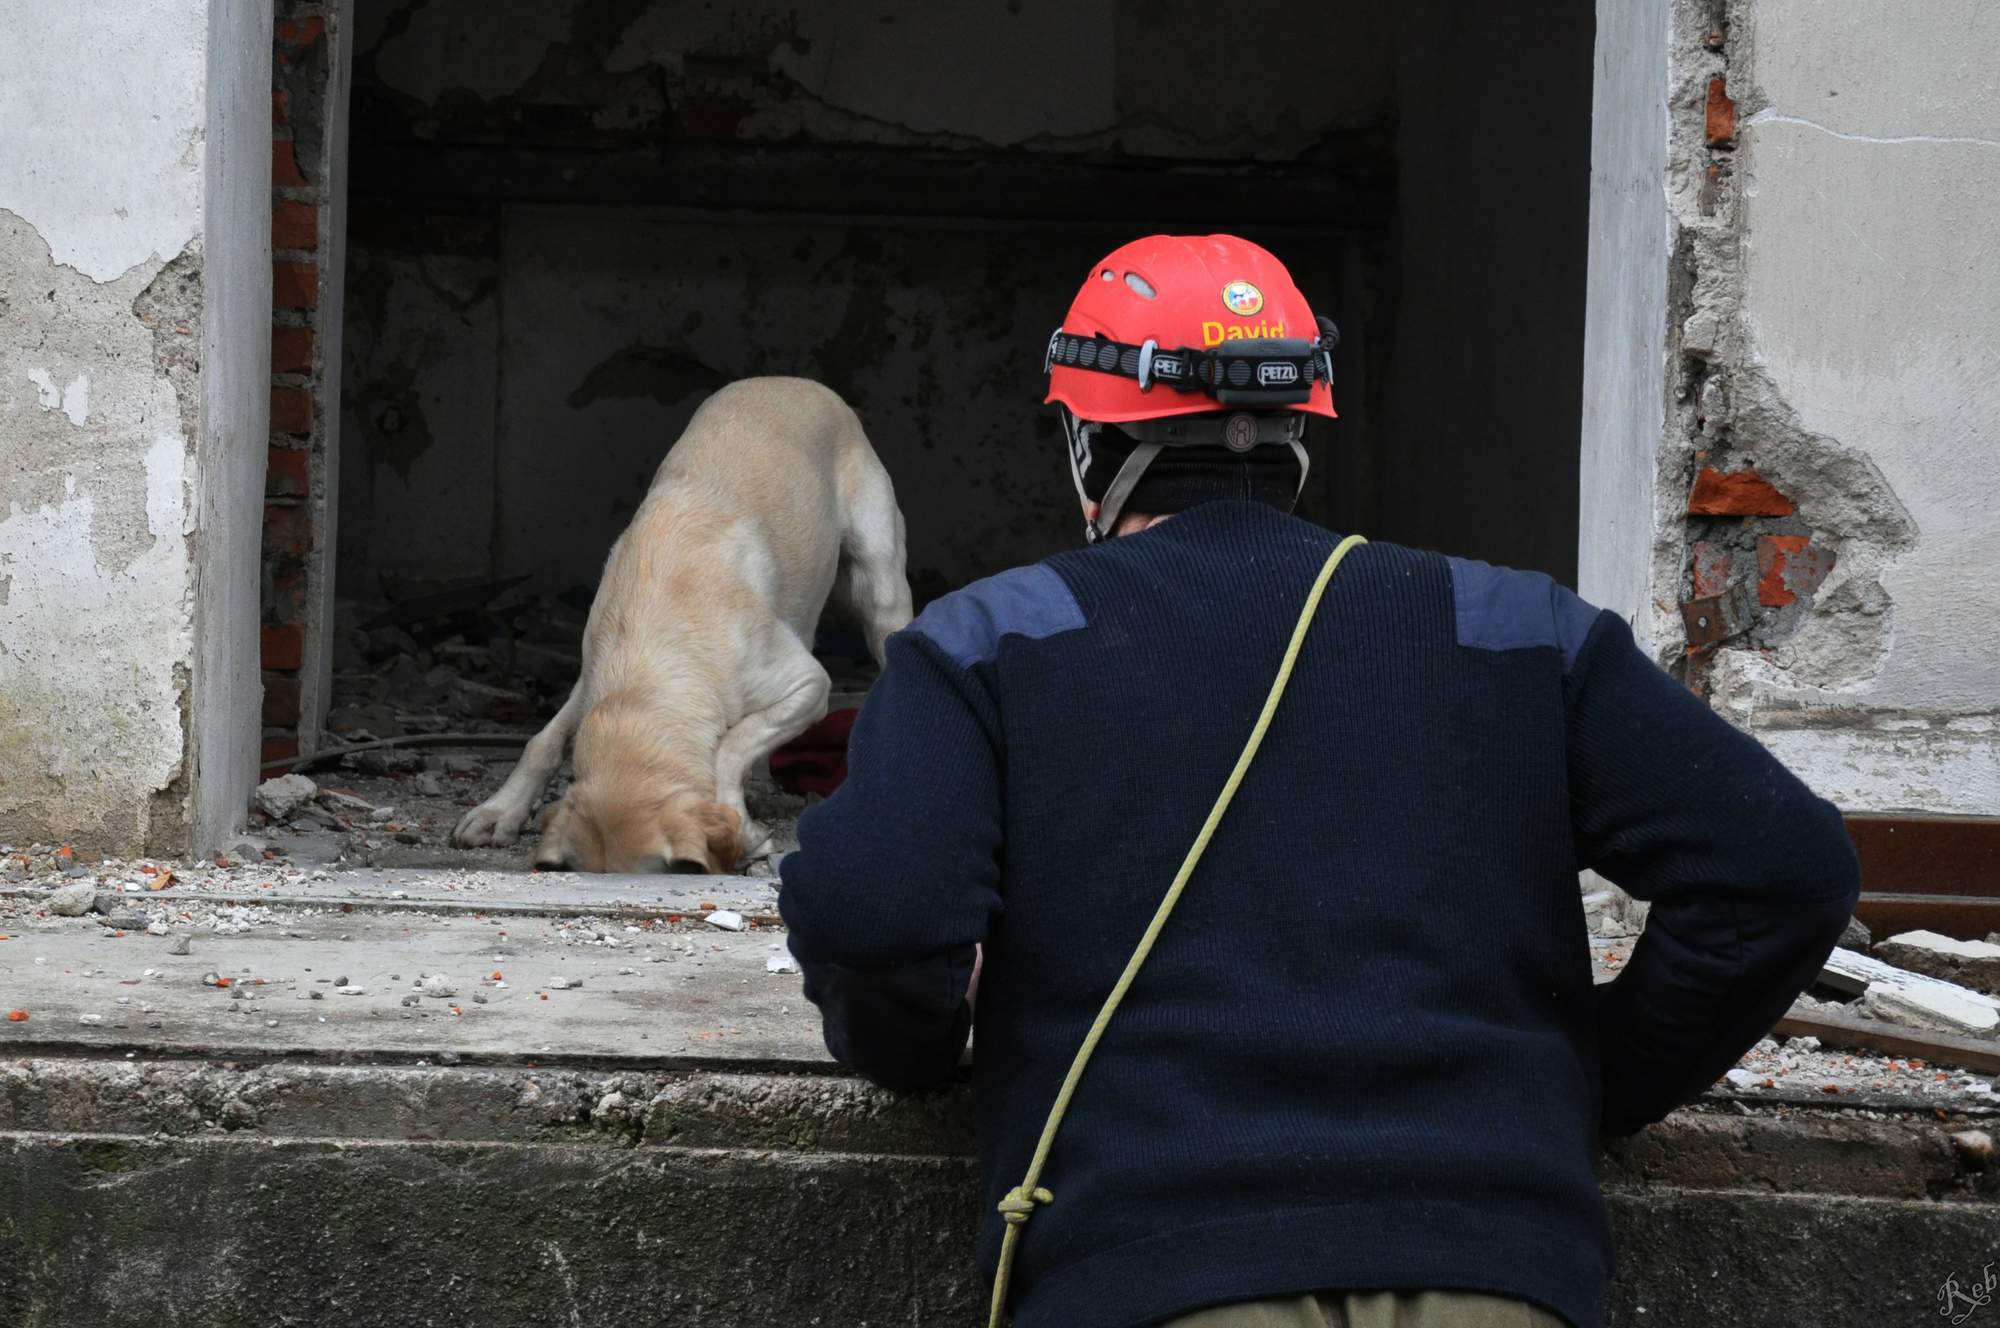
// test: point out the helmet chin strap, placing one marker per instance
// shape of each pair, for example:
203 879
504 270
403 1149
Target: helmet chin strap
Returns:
1081 432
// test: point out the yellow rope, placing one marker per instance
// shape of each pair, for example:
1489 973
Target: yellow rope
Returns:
1021 1201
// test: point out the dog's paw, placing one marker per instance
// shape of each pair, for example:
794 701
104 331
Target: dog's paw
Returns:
756 842
488 823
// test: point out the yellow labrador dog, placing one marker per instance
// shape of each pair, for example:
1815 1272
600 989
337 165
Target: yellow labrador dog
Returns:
697 657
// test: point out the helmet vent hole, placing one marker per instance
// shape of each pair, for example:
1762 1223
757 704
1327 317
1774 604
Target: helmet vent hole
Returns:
1140 286
1107 275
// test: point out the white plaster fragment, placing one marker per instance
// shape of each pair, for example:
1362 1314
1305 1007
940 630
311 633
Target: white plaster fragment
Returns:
73 400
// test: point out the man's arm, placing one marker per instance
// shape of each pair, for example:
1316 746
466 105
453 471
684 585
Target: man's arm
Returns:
1750 876
897 874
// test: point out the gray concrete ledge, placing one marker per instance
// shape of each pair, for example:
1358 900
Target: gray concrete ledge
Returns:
181 1194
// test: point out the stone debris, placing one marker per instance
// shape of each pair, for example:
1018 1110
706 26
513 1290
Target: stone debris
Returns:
282 798
1937 1006
181 945
1973 963
1856 937
437 984
73 900
728 919
1745 1079
782 962
349 989
564 984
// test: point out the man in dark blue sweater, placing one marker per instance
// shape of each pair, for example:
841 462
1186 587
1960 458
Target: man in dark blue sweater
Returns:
1362 1077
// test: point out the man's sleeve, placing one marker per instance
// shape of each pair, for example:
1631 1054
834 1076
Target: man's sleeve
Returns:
1750 876
897 874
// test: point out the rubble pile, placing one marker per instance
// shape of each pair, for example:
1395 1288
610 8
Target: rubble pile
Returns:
482 664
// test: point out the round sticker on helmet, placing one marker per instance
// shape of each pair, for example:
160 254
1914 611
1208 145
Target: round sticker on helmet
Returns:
1242 298
1239 433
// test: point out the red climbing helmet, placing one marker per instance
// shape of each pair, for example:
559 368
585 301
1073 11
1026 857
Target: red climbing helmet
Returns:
1197 346
1189 324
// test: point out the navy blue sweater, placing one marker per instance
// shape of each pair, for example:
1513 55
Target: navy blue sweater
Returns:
1367 1051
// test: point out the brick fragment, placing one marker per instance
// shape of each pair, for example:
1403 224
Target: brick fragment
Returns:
283 647
281 700
1740 493
1721 115
281 748
281 106
1789 566
294 286
294 37
291 410
1711 568
291 349
294 225
288 473
285 163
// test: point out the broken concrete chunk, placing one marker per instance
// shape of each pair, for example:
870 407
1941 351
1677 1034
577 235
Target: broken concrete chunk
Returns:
73 900
563 984
726 918
437 984
1938 1006
1974 963
1859 970
1744 1079
180 945
281 798
1856 937
351 990
781 963
1975 1147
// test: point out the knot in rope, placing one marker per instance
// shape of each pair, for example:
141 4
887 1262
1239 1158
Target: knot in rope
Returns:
1019 1205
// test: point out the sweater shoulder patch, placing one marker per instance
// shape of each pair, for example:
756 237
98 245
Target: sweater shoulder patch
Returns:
967 624
1499 608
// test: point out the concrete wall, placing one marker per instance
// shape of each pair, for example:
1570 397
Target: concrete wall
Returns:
1822 495
134 297
1625 315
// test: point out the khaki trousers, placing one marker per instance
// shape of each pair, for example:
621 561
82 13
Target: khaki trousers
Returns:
1376 1309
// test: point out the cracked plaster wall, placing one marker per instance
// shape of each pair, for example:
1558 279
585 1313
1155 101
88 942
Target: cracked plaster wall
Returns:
127 199
1832 330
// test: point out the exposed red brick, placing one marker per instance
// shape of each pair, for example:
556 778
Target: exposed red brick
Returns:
287 533
1711 569
288 473
281 701
281 748
291 410
285 163
1741 493
282 647
1721 115
294 226
291 349
294 286
281 106
296 37
1789 566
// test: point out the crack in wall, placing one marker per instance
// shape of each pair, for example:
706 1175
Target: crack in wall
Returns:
1763 489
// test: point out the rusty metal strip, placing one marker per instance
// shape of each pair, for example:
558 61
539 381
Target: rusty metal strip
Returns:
1928 855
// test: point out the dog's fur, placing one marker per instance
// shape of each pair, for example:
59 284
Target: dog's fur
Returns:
697 658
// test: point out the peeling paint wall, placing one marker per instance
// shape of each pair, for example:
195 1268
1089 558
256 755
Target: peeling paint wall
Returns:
1828 497
123 281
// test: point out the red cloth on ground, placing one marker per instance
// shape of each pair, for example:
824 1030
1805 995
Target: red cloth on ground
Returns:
816 760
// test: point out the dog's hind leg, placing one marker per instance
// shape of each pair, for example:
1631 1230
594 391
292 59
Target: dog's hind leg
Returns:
799 686
873 581
499 819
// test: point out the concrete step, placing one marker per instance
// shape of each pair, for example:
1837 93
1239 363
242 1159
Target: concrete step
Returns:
668 1144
